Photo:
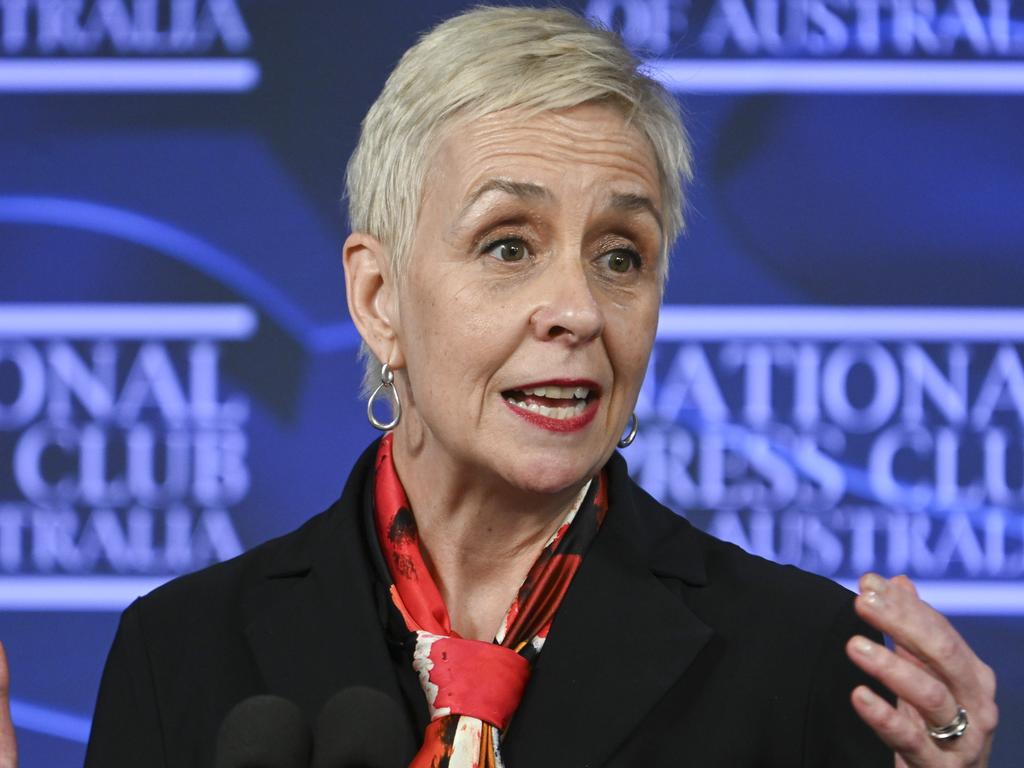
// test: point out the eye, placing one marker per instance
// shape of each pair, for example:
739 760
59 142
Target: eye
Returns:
622 260
510 249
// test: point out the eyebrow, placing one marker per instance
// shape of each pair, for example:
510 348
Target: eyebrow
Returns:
623 201
522 189
632 203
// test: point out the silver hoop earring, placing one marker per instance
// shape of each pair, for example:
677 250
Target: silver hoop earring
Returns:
634 426
388 388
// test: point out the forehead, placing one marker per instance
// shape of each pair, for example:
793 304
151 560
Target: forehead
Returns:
589 148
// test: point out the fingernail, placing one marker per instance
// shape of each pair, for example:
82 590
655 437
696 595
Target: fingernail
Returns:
875 582
863 645
874 599
864 696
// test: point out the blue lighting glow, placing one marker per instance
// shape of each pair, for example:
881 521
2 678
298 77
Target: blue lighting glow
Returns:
188 249
968 598
129 75
127 321
50 722
723 323
113 594
74 593
816 76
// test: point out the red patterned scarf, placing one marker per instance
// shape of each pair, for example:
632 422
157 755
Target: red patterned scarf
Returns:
472 687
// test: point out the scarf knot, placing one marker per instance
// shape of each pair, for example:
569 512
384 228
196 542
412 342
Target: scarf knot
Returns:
469 677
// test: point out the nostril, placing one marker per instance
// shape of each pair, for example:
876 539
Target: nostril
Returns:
564 321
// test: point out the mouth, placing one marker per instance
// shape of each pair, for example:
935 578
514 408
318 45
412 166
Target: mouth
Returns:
565 405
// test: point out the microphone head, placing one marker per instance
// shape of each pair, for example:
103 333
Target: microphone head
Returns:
263 732
361 727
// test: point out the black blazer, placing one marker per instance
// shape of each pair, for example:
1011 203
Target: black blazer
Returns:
671 648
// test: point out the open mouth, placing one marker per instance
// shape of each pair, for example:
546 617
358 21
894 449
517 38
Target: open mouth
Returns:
566 402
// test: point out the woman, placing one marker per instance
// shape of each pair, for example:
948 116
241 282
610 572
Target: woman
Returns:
490 564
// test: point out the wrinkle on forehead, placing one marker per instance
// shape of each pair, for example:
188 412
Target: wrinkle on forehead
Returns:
594 137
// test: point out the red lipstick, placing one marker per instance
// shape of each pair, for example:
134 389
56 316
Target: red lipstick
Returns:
552 424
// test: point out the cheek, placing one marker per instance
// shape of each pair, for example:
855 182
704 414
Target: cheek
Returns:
630 345
634 366
462 336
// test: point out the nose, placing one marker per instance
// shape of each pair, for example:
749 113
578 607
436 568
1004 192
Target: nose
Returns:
568 309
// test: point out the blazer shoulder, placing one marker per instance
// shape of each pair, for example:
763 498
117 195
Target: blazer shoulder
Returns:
225 594
724 567
335 532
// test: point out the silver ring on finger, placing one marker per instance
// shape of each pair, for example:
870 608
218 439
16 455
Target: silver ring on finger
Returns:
954 730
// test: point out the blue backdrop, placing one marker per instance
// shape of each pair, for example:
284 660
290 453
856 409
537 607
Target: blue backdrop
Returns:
838 380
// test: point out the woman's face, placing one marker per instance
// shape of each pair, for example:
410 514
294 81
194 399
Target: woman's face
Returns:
530 302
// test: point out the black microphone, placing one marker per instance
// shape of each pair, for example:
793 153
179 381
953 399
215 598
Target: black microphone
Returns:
263 732
362 728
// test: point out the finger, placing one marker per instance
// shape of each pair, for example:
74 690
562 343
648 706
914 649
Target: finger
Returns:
915 716
910 742
921 630
903 653
903 582
8 747
983 712
912 684
980 668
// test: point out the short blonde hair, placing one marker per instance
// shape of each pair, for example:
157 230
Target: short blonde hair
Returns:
484 61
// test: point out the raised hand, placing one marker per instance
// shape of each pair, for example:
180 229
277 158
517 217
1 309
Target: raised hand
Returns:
8 747
946 714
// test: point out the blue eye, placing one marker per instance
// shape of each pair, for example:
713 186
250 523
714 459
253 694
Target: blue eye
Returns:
622 260
510 249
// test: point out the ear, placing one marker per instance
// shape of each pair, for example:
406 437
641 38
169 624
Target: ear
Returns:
371 294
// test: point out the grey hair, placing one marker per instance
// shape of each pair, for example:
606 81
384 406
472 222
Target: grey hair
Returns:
483 61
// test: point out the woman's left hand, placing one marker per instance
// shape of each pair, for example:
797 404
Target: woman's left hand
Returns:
933 672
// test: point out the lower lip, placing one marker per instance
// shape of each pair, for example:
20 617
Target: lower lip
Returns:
572 424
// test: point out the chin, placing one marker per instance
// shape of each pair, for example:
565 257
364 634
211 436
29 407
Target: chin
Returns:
549 475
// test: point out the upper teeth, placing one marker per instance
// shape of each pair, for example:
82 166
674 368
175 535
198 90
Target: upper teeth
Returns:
558 393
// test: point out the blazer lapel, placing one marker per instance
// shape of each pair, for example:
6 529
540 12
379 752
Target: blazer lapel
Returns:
318 622
620 640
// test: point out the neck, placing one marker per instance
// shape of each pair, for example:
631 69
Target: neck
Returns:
479 535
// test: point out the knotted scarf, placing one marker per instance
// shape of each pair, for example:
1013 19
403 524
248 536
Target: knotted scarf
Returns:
472 687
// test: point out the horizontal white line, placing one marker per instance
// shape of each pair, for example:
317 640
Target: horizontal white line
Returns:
137 75
73 593
817 76
969 598
115 593
717 323
127 321
49 721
